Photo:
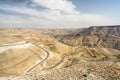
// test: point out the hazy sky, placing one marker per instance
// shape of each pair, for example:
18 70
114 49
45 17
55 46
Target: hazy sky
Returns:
59 13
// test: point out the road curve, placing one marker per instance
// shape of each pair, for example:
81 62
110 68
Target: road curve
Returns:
40 61
58 63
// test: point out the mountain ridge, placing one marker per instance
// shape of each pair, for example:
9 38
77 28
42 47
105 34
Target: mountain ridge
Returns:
106 36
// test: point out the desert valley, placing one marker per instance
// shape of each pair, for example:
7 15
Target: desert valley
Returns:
60 54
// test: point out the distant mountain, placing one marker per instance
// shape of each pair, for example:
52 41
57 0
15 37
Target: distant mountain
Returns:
95 36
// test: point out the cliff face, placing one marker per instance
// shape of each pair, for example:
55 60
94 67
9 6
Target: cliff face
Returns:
100 36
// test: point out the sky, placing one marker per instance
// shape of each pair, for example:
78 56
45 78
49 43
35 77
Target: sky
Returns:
59 13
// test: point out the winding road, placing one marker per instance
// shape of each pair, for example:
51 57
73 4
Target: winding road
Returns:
26 45
58 63
40 61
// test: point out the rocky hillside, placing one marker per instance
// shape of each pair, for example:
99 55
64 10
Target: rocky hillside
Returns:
96 36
